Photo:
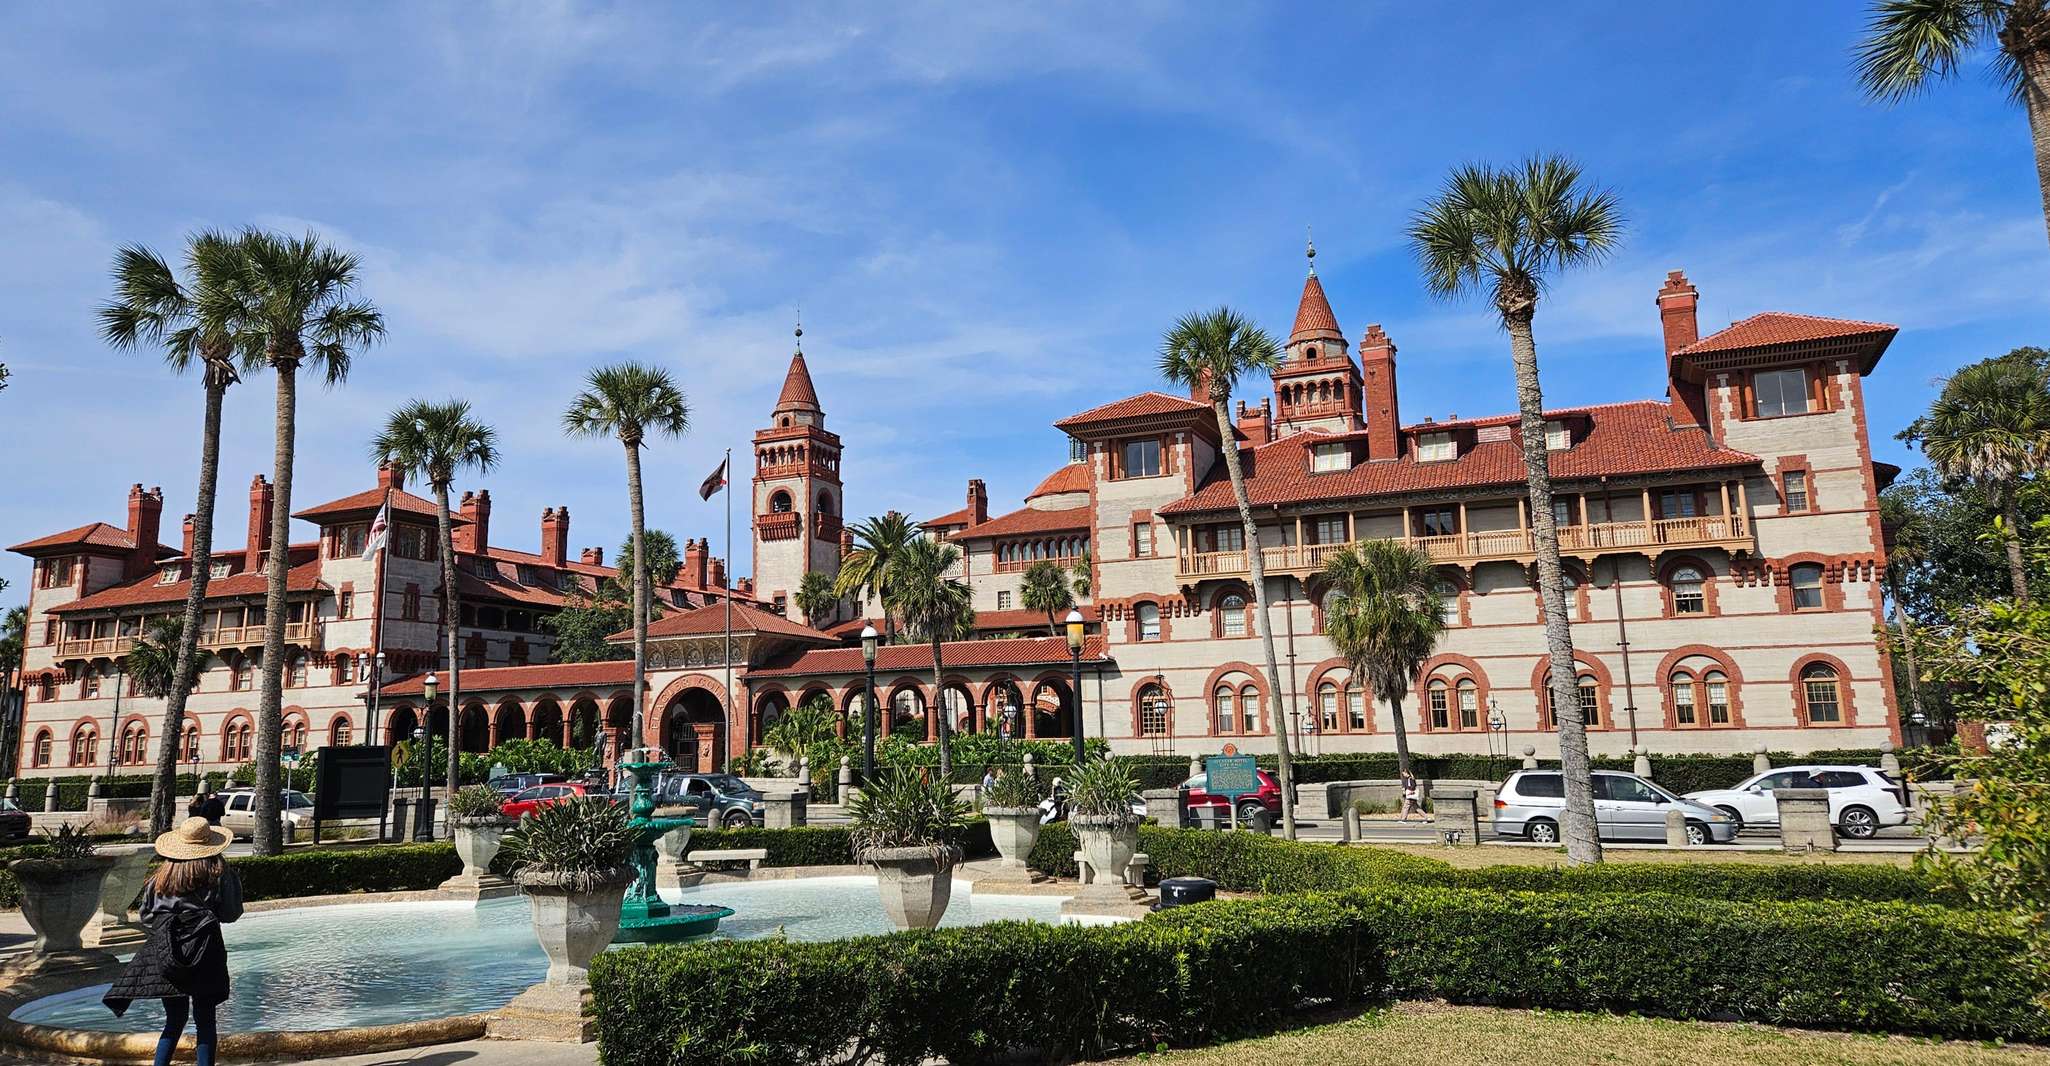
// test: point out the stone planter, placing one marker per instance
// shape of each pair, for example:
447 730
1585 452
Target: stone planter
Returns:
1015 830
916 883
670 848
477 843
117 894
1107 846
58 896
573 926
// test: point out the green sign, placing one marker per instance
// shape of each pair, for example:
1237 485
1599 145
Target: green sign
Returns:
1230 776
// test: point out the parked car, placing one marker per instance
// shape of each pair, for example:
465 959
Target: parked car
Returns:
722 800
1531 805
1862 800
510 785
14 822
539 796
1257 811
238 811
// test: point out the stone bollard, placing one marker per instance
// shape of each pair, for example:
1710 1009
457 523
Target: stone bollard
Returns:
1028 767
118 891
1804 819
1889 763
1530 757
1456 815
1352 823
49 795
783 810
14 791
1759 763
94 790
1195 765
1163 805
1676 828
1642 766
846 779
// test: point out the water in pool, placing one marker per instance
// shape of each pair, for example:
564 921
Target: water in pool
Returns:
381 963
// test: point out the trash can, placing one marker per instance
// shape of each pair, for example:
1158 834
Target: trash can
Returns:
423 820
1182 891
396 832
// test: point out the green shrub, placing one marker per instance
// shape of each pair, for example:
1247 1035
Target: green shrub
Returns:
1199 974
1012 788
825 845
475 801
585 842
321 871
1727 881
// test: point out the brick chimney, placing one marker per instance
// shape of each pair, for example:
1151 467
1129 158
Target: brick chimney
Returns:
1257 423
846 543
594 557
1678 300
145 514
1200 391
747 587
555 535
1377 384
718 575
693 572
390 477
978 503
259 524
190 520
476 536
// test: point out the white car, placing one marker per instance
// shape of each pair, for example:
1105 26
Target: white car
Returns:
239 815
1862 800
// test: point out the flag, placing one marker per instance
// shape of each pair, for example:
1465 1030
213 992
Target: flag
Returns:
380 531
714 483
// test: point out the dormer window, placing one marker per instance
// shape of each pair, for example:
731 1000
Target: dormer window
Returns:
168 575
1435 447
1558 436
1329 458
1077 450
219 569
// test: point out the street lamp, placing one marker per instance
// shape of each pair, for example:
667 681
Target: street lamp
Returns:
1075 658
423 826
869 637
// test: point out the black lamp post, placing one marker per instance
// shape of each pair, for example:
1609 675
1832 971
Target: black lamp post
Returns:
1075 658
869 637
423 825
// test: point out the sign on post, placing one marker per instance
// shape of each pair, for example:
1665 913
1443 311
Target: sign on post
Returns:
1231 776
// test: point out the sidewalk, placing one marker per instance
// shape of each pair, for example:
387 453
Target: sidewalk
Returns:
471 1053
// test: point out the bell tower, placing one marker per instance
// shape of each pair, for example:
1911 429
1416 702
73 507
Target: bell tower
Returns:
797 491
1317 386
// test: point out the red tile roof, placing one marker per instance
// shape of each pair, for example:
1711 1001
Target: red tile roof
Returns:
901 658
540 675
304 576
1029 520
711 618
1769 328
369 500
951 518
1313 317
798 394
90 535
1020 618
1073 477
1623 439
1144 405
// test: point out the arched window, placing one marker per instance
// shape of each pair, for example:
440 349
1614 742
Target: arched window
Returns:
85 746
1225 702
1689 596
91 687
1231 610
825 502
1249 708
907 711
1356 703
345 669
1821 694
1716 690
779 502
1683 699
134 743
1332 598
1590 701
1448 604
245 670
292 736
1327 707
1469 704
1806 580
1438 702
189 750
1149 621
43 746
339 733
48 689
296 672
1154 712
235 741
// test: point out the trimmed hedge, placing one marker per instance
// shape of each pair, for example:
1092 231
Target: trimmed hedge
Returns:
1199 974
821 845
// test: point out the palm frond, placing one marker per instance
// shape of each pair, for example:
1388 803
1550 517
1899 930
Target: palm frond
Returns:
1213 349
435 440
1911 44
1505 230
629 401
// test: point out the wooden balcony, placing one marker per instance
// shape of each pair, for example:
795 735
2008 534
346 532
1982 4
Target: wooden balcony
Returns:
300 633
1019 566
1728 532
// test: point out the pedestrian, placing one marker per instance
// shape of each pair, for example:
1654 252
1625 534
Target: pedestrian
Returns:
989 779
184 961
214 809
1410 800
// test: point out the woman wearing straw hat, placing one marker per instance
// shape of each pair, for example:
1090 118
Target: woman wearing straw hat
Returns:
184 962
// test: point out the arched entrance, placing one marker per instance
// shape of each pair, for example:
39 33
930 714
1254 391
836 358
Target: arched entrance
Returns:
399 725
548 722
1053 714
476 733
694 731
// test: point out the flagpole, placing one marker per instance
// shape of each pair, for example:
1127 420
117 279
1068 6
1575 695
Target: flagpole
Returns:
726 579
376 678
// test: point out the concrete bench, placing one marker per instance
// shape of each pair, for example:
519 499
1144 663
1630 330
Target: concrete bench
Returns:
753 857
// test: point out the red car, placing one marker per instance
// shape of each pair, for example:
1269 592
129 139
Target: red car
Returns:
533 799
1257 810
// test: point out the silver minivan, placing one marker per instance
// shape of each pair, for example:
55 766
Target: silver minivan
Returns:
1626 807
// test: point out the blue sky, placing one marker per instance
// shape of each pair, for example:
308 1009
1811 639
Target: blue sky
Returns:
988 213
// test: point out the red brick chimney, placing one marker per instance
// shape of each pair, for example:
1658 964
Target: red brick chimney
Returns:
978 503
846 543
693 572
145 515
189 535
555 535
259 524
1677 301
1257 423
1377 383
718 575
390 477
594 557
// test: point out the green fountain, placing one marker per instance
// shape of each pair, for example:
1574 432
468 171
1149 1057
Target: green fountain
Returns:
644 917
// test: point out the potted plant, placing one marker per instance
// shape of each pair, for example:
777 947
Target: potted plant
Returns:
1011 804
571 859
60 890
905 825
480 830
1101 798
672 871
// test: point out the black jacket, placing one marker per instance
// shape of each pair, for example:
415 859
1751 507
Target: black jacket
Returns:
184 954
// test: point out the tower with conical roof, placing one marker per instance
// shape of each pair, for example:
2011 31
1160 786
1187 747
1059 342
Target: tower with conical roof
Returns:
797 491
1317 385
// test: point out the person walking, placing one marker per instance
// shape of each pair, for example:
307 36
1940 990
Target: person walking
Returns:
184 961
1410 800
989 779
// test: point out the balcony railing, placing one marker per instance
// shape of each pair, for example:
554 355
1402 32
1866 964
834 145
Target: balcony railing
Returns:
209 637
782 525
1013 566
1707 531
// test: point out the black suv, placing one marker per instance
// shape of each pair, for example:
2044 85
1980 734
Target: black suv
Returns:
723 800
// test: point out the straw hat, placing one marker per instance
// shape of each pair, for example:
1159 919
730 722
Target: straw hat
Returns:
194 839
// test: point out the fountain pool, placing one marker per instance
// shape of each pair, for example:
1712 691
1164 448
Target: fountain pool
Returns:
362 964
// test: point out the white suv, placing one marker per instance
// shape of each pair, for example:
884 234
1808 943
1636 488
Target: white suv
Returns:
238 816
1862 800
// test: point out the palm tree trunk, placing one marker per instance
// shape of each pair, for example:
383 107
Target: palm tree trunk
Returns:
2017 573
1284 765
1583 844
451 621
2035 66
1401 737
943 717
163 801
640 529
267 837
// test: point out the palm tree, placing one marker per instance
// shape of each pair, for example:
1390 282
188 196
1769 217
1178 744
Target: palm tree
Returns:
815 598
1907 535
1991 426
287 301
1385 620
153 306
1501 232
934 607
1911 44
1044 588
629 401
13 642
866 571
801 729
1211 351
153 663
437 440
1079 576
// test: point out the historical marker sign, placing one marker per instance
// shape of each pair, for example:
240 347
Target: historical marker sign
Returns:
1231 776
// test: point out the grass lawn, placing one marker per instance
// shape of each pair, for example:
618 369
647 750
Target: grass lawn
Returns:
1438 1034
